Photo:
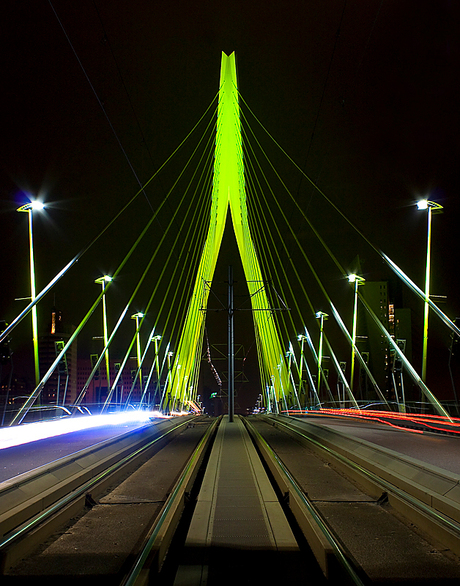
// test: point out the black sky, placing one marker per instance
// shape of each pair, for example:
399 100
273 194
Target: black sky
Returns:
363 95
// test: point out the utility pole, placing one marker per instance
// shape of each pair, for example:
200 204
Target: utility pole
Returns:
231 348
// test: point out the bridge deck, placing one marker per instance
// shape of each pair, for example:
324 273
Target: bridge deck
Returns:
238 527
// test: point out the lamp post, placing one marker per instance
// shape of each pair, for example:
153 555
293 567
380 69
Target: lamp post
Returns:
168 381
30 208
137 316
431 207
290 378
156 339
322 317
103 281
357 280
301 338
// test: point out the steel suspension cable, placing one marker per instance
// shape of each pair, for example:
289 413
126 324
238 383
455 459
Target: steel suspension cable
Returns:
279 207
193 210
37 391
171 223
394 267
84 250
414 375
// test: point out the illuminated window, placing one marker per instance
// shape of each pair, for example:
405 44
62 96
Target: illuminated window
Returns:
391 312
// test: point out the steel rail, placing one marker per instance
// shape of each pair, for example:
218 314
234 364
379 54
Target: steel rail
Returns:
434 515
140 572
43 516
337 549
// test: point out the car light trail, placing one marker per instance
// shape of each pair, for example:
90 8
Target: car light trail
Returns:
31 432
435 423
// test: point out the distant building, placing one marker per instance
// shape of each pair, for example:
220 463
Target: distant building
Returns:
385 366
374 344
97 391
61 387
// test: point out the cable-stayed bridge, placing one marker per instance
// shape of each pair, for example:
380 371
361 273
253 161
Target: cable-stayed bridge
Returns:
228 184
301 365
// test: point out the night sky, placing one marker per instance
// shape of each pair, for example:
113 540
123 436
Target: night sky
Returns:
363 95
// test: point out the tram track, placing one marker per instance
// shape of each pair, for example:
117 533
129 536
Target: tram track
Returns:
158 450
130 534
394 502
425 494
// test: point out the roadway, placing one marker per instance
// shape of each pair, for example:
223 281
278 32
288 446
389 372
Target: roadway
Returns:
442 451
235 525
385 543
437 450
23 458
96 540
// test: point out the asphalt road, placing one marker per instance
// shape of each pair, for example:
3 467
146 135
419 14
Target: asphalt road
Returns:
438 450
435 449
23 458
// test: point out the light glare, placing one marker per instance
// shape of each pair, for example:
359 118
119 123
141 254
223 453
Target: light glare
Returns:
31 432
422 204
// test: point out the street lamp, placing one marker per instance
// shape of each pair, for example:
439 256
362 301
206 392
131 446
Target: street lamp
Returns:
168 382
357 280
293 395
137 316
103 281
30 208
301 338
436 208
157 339
322 317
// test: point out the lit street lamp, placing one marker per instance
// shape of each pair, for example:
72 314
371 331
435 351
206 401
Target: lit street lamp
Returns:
30 208
321 316
157 339
103 281
137 316
431 207
357 282
167 388
301 338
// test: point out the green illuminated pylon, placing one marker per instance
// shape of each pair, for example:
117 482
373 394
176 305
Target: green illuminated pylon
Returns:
228 193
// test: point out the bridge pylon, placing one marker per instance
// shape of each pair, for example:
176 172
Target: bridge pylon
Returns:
229 194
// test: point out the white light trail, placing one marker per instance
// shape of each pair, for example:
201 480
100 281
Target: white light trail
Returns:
31 432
